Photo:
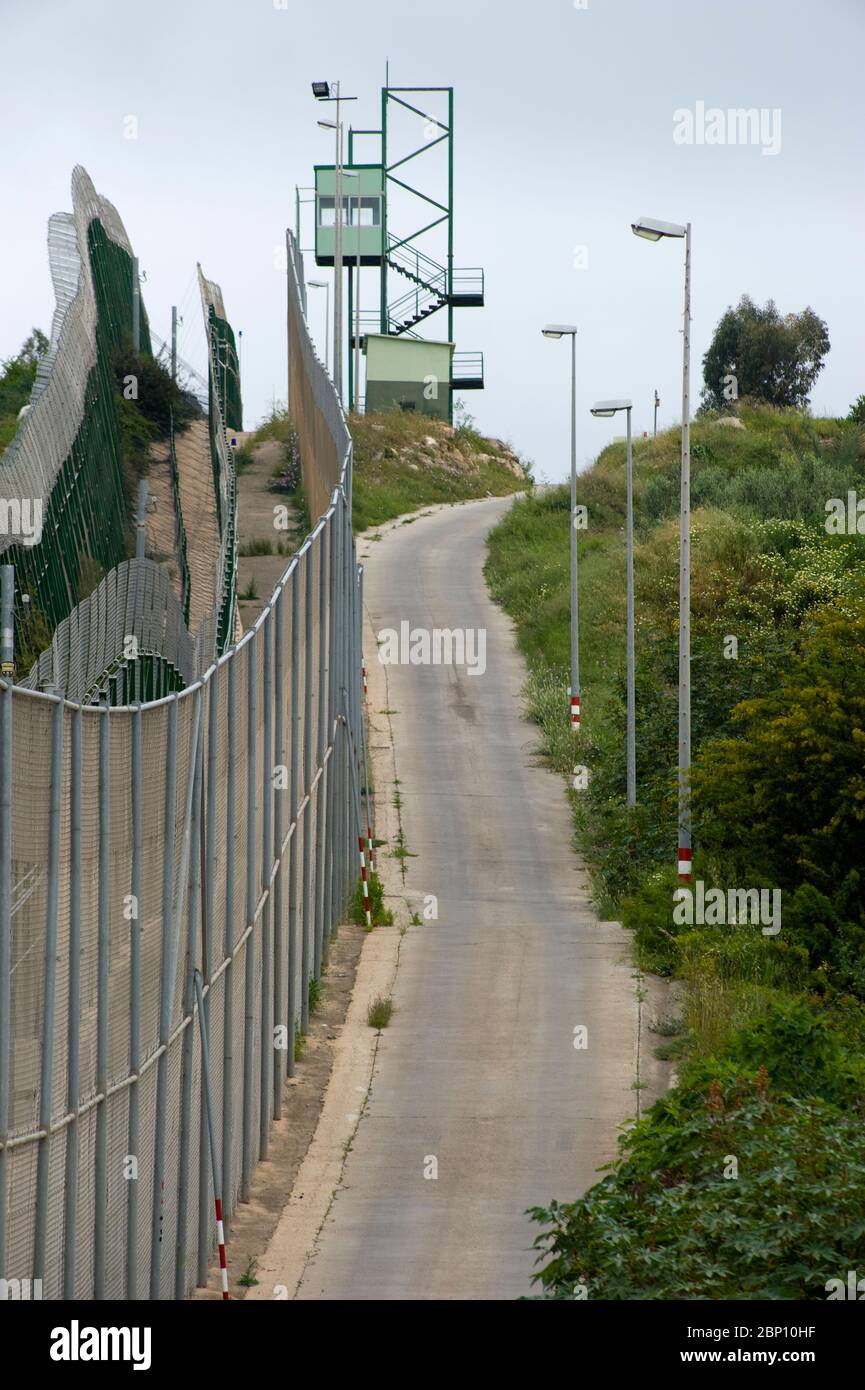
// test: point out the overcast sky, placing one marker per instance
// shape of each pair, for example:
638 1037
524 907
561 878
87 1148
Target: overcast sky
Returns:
565 122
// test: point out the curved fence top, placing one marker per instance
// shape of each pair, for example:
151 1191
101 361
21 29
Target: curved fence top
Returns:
133 612
31 464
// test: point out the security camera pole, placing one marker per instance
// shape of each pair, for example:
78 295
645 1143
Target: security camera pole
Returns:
653 230
568 330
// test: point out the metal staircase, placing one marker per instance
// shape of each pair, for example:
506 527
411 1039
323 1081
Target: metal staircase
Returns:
431 292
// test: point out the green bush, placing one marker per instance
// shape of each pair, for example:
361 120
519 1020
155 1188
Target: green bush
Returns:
672 1222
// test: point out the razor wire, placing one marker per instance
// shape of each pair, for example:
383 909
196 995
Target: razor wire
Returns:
209 833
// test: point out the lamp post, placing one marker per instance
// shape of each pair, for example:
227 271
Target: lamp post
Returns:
657 403
322 92
324 285
605 410
653 230
567 330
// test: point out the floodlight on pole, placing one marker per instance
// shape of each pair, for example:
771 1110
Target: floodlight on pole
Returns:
325 91
605 410
568 330
653 230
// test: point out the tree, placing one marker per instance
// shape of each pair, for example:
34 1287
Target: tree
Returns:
759 353
17 374
857 411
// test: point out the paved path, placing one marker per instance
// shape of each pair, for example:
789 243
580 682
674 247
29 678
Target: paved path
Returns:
478 1069
198 505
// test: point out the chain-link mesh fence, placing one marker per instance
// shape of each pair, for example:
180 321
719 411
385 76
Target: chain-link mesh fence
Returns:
209 831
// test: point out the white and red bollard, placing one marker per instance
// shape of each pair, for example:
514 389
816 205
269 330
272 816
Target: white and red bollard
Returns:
223 1262
575 713
365 882
685 856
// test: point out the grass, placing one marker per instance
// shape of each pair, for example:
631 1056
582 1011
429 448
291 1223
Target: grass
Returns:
380 1012
314 994
259 546
381 916
405 461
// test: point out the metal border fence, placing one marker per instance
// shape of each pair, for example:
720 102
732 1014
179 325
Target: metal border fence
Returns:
202 843
66 454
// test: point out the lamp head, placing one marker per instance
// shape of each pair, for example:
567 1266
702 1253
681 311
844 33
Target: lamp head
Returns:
559 330
604 409
652 229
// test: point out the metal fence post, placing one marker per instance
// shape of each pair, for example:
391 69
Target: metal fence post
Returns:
166 1000
46 1079
187 1063
6 753
209 890
278 793
348 626
266 1058
321 785
249 991
330 781
134 1001
73 1034
102 1005
307 785
340 769
292 863
228 1006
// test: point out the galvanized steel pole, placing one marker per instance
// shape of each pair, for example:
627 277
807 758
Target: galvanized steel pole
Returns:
685 849
46 1076
102 1006
73 1029
306 944
632 734
137 799
7 583
249 974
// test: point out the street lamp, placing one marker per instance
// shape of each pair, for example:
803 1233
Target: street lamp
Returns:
604 410
324 285
568 330
653 230
657 403
322 92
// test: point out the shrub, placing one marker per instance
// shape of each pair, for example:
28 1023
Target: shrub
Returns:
671 1221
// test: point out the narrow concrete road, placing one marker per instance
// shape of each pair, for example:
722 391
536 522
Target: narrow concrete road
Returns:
478 1078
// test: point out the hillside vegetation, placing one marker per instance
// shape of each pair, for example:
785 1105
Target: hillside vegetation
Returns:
404 461
771 1045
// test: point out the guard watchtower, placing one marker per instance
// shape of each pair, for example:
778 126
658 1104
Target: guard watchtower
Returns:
414 284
